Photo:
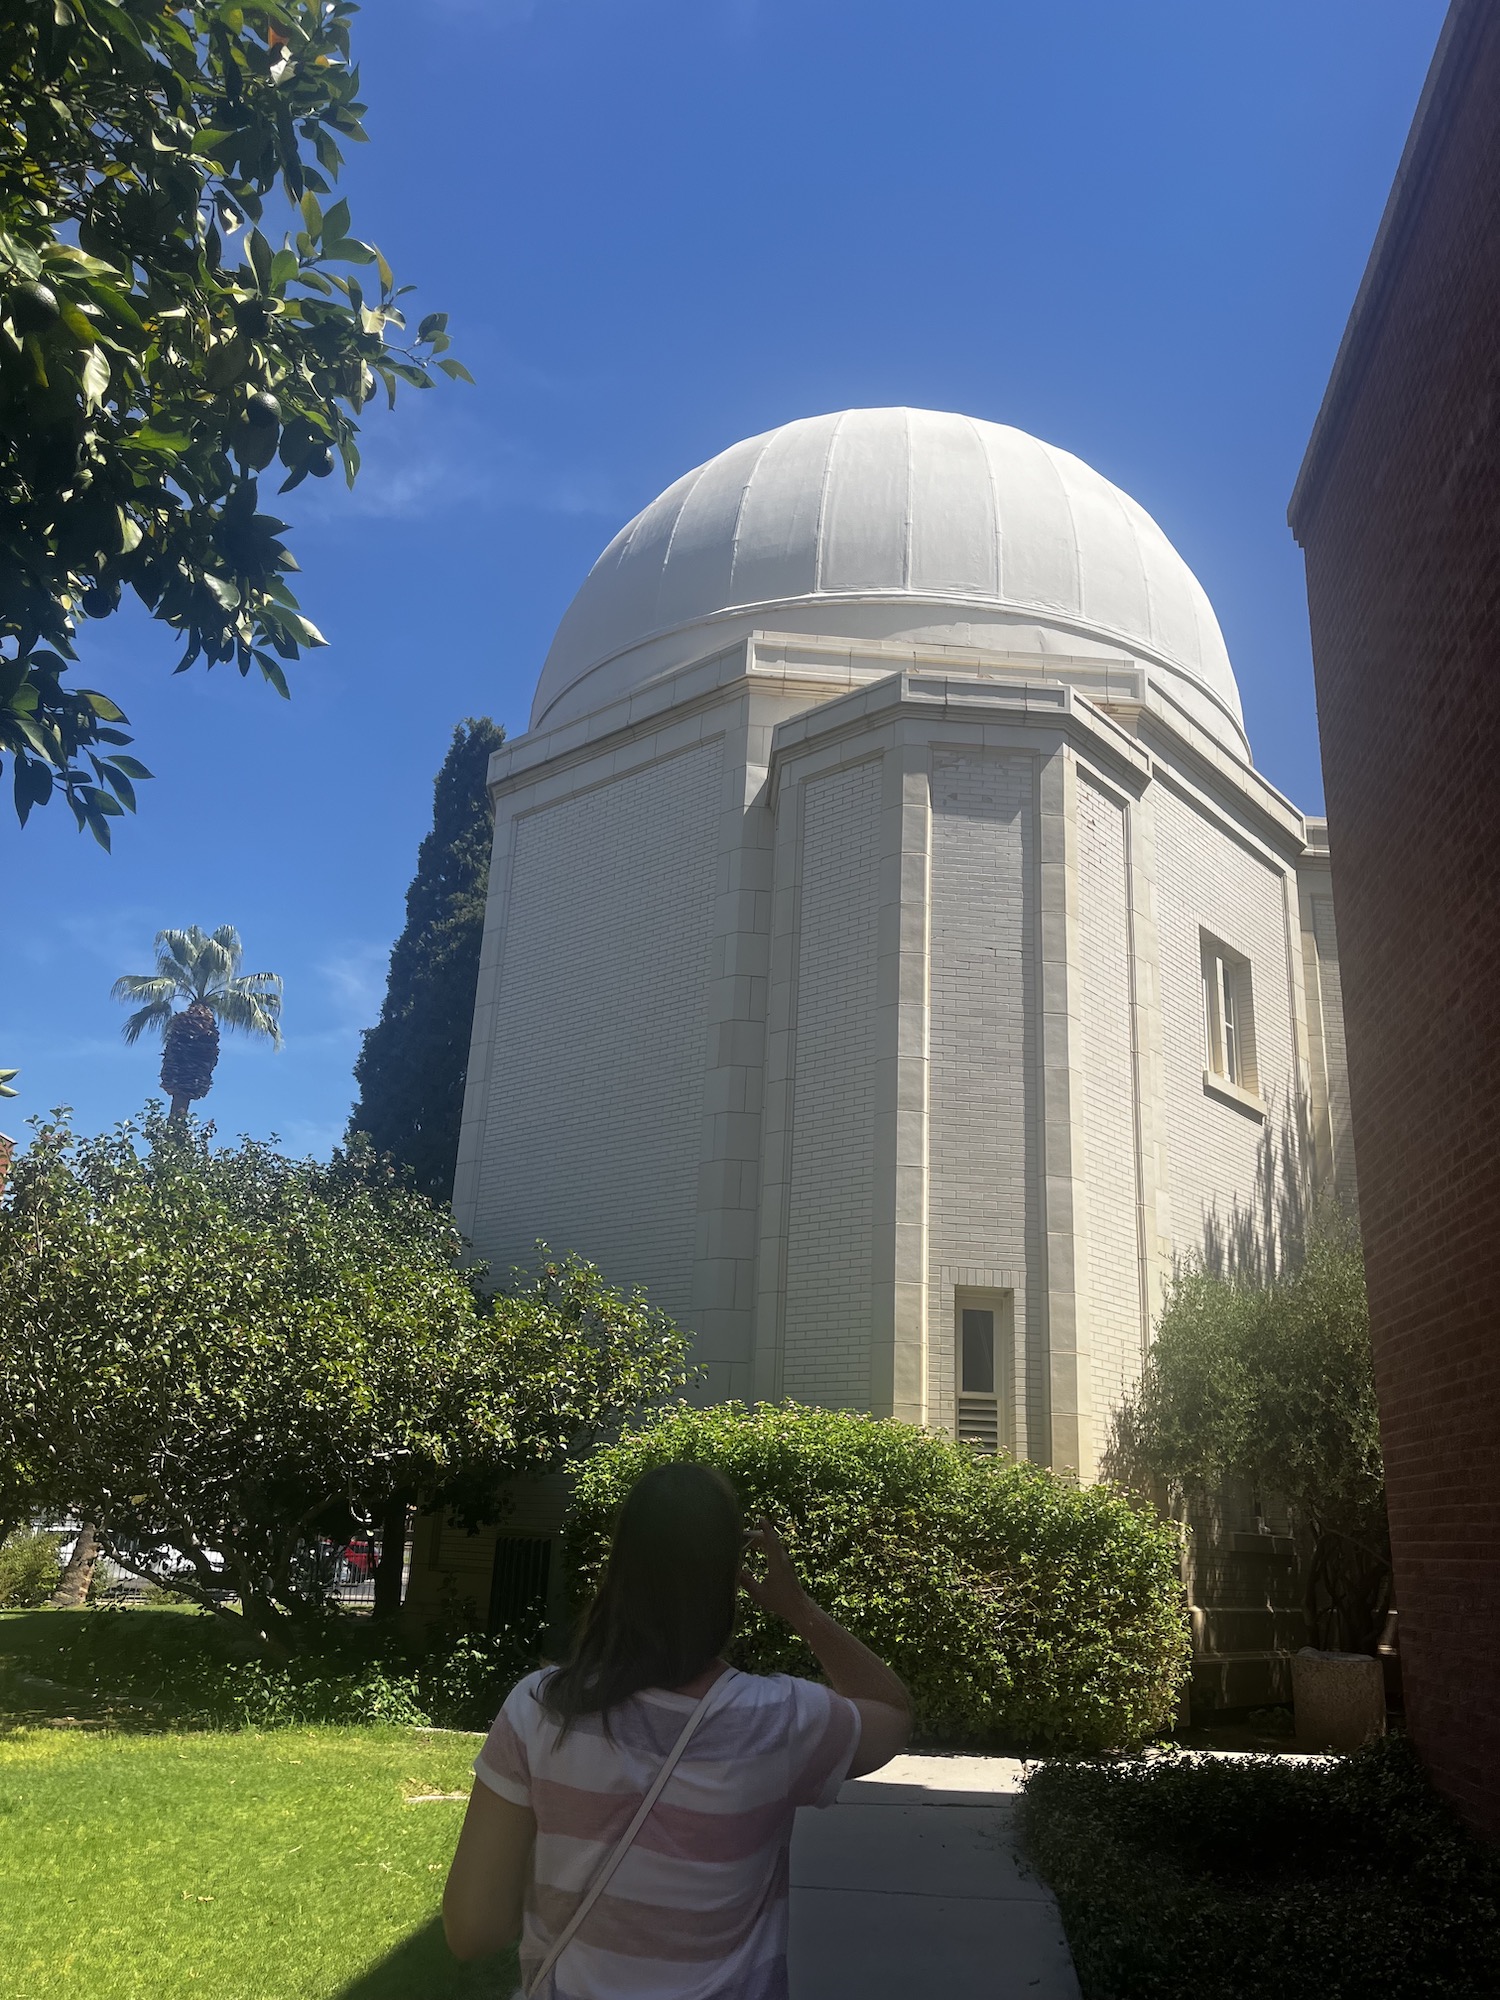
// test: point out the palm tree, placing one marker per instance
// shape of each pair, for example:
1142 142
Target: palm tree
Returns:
203 970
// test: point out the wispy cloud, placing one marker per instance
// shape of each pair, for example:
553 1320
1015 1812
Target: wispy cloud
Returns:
118 937
404 479
353 983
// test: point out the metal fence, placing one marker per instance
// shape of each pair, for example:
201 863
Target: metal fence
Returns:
342 1573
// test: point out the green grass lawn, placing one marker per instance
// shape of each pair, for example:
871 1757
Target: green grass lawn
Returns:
279 1865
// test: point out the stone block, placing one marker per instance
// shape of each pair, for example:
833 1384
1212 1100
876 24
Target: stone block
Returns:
1339 1699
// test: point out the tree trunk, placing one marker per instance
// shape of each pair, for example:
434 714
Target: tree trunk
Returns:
388 1571
189 1051
73 1589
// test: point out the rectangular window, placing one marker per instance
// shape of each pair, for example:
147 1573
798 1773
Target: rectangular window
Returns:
984 1338
978 1351
520 1578
1228 1017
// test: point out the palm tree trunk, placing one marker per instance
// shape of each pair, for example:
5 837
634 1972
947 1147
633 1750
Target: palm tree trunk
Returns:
178 1114
73 1588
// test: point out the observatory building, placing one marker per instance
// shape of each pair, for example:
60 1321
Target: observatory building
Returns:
893 959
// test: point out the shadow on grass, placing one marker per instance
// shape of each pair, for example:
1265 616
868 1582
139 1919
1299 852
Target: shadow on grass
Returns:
424 1969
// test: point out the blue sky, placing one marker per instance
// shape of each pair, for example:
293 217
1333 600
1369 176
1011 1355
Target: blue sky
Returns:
659 226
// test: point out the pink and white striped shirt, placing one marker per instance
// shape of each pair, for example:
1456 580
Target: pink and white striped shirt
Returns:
697 1910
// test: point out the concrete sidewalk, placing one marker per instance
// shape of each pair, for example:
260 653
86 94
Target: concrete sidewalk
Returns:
911 1886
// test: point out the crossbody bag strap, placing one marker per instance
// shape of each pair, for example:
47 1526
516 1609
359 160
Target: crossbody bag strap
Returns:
622 1846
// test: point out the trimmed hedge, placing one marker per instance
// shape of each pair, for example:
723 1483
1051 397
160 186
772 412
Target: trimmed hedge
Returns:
1023 1612
1265 1878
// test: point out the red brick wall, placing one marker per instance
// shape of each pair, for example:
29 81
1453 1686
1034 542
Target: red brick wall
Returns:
1400 521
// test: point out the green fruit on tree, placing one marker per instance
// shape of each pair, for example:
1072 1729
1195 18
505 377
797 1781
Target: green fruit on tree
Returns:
255 445
262 409
33 307
252 316
321 462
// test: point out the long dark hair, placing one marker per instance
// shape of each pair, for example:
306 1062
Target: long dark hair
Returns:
666 1601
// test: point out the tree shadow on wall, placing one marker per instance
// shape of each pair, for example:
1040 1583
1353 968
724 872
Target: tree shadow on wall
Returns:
423 1968
1264 1237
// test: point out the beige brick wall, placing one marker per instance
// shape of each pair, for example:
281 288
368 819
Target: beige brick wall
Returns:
1113 1276
597 1072
985 1153
829 1257
1207 879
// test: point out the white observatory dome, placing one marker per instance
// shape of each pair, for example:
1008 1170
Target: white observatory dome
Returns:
892 524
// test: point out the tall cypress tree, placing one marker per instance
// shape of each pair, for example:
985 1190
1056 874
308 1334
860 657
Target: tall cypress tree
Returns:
413 1062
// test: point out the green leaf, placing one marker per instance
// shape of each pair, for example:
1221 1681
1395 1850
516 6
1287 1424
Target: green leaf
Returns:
94 378
118 782
165 443
261 256
115 303
455 370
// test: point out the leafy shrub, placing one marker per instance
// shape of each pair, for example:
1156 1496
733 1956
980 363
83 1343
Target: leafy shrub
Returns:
1325 1880
29 1568
463 1677
1020 1610
1272 1384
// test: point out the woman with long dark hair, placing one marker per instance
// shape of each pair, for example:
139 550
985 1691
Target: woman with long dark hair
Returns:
632 1808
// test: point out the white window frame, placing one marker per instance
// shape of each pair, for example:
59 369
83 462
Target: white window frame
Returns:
1229 1057
985 1417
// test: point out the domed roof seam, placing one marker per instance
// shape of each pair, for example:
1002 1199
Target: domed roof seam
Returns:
827 480
739 512
989 472
911 475
1197 598
1064 486
666 555
1129 509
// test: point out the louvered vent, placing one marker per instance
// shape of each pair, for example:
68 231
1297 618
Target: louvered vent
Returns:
979 1423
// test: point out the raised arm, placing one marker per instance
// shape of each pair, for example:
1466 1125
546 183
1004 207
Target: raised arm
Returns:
852 1669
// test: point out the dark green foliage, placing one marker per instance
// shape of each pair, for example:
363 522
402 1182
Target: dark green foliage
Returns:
29 1568
174 1670
1272 1384
413 1063
1020 1610
1265 1879
221 1351
158 349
